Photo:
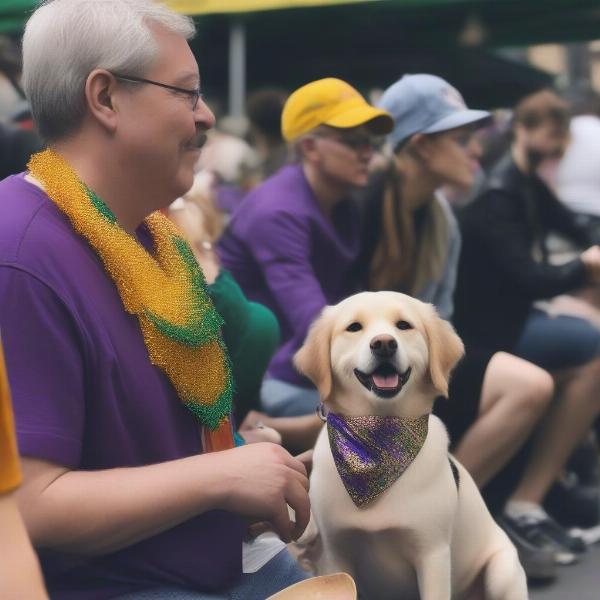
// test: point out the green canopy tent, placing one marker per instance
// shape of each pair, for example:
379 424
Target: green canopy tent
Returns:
370 42
504 22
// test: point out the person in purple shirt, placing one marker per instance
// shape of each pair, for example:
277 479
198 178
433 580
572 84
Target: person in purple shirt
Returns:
293 242
118 496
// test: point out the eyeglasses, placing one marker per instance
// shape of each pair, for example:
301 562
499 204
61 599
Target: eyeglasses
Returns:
194 95
355 141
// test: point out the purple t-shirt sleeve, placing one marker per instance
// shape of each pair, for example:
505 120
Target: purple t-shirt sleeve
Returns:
45 369
281 246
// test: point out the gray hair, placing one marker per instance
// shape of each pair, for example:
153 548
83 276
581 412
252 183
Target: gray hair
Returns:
65 40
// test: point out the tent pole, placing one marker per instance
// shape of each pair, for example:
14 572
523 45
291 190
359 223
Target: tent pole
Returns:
237 68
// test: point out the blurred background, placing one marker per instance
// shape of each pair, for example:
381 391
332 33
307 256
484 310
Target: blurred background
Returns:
494 51
252 53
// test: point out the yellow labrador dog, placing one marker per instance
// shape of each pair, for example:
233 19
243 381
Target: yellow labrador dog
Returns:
392 508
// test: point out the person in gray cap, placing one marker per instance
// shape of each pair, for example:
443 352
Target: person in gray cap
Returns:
411 244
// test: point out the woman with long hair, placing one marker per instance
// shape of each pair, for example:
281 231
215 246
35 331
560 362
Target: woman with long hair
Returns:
412 245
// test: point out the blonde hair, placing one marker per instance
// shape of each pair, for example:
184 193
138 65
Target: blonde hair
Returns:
213 220
405 259
197 215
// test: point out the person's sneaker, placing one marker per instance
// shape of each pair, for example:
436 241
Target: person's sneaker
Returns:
530 528
573 504
562 537
538 561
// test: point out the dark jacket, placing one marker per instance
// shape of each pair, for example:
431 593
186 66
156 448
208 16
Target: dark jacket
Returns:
498 276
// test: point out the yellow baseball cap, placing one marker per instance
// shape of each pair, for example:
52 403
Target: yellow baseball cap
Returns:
331 102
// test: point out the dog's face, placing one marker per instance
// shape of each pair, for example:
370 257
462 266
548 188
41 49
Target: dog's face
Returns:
381 352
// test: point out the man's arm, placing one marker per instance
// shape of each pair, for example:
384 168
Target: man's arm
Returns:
98 512
20 575
282 249
504 235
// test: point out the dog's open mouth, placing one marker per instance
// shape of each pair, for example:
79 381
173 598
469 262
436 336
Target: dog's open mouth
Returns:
385 381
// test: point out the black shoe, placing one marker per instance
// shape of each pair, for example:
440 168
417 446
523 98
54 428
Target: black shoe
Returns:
538 561
562 537
572 504
529 527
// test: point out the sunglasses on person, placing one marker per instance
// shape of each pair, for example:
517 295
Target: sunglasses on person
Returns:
356 141
194 94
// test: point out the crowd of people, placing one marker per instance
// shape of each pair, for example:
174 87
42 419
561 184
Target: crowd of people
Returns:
158 273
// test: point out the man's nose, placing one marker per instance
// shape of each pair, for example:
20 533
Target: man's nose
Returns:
204 116
384 346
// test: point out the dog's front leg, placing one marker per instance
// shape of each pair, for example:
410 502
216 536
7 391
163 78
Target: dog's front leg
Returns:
433 574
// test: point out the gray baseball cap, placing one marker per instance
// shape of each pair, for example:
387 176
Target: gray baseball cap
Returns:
425 104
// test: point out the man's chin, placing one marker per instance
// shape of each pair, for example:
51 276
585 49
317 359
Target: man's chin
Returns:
184 183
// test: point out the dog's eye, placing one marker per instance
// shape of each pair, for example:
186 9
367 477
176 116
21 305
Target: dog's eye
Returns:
356 326
403 325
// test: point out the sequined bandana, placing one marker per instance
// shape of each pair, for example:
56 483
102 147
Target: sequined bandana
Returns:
167 293
371 453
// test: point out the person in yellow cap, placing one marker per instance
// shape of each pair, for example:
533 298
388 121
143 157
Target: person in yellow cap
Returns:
293 241
20 575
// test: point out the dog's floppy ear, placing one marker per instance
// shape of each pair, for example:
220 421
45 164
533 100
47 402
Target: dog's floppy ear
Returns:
313 359
445 349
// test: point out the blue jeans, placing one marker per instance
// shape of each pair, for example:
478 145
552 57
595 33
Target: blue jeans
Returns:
559 342
280 572
282 399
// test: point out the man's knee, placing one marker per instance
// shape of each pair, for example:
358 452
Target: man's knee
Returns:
535 389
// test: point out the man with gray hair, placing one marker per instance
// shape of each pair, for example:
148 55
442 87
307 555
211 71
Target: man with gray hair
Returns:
121 384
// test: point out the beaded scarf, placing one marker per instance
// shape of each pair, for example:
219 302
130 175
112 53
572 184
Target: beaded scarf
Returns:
167 292
372 452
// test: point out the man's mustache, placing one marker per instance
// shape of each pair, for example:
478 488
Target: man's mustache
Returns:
200 140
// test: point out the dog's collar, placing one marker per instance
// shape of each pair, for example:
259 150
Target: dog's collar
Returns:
372 452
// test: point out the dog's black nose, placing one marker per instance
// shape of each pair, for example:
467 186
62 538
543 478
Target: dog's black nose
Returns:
384 346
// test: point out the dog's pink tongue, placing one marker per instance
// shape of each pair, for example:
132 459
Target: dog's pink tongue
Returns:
386 381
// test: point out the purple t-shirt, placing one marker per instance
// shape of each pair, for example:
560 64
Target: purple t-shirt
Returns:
286 254
86 396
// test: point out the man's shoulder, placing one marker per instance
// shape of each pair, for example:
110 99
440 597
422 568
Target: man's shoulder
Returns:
33 232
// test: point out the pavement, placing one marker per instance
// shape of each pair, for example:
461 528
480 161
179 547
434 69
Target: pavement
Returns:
576 582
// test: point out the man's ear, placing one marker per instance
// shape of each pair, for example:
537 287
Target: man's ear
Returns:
99 92
445 349
314 358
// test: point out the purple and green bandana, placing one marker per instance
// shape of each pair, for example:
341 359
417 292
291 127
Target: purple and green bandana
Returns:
371 453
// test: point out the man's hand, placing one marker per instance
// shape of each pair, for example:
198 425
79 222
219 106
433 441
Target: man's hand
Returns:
71 511
260 481
20 575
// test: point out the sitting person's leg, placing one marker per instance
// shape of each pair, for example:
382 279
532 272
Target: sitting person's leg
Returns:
558 342
495 403
282 399
554 342
279 573
514 396
570 348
